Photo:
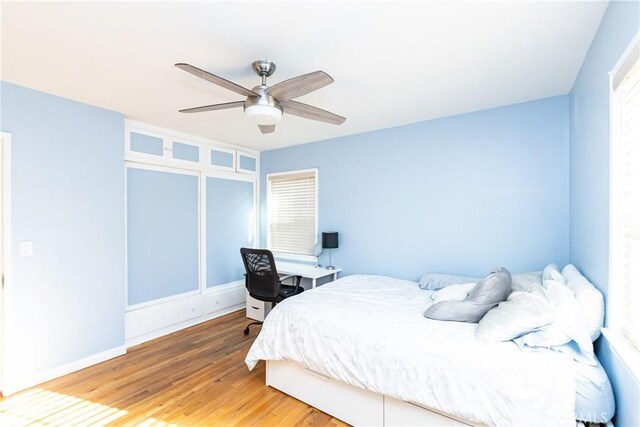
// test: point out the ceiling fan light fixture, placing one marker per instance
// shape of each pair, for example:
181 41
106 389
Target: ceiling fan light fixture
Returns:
263 114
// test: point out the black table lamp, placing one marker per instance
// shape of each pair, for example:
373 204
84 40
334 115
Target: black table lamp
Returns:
330 241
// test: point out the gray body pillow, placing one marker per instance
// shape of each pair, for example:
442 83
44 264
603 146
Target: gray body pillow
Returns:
458 311
488 293
435 281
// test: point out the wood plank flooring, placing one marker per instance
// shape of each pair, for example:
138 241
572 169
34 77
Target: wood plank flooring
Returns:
194 377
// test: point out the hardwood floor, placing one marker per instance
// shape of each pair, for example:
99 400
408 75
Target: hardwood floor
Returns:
194 377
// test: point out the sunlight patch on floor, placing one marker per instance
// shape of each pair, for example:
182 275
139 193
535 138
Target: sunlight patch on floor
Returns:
39 407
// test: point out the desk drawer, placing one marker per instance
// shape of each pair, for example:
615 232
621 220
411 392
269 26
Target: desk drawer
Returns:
256 309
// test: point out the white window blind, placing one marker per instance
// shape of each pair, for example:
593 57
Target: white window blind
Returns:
626 202
291 202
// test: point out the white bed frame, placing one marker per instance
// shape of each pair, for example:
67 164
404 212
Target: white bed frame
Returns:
351 404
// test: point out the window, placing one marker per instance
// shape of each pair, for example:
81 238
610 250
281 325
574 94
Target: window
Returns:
292 212
625 199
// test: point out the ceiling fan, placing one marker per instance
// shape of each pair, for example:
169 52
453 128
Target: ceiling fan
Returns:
264 104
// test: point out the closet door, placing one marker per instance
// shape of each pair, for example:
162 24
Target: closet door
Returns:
230 225
162 234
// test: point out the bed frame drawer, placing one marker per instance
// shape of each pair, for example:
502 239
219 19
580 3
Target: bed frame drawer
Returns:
399 413
350 404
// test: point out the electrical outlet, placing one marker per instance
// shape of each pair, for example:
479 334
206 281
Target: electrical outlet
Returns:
26 249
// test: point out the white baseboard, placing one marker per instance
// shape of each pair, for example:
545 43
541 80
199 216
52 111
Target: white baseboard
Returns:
48 375
155 320
149 322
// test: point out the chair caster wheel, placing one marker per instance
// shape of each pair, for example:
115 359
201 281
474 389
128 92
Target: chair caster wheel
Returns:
246 330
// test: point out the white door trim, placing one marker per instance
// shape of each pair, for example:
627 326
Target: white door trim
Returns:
5 262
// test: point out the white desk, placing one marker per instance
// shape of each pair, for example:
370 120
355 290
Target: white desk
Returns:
258 310
307 271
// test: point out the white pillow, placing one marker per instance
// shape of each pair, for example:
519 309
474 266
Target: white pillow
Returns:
521 313
526 281
589 297
551 272
453 292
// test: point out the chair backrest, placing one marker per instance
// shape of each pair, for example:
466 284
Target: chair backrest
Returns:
261 278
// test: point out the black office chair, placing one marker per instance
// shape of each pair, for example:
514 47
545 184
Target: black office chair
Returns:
263 281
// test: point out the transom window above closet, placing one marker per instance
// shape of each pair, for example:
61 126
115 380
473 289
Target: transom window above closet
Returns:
149 144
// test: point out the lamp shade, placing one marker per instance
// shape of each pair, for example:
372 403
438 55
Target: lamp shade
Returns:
330 240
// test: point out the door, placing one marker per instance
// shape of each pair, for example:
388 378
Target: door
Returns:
162 233
5 246
230 224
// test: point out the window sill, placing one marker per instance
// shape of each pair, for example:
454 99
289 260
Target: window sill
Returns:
625 351
295 257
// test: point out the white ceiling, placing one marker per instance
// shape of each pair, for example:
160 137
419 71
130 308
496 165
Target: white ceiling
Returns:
393 62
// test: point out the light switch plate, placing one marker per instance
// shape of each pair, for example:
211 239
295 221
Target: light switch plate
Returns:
26 249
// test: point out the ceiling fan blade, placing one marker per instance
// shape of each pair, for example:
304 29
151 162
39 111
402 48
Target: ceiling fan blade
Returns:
314 113
299 86
267 128
213 107
216 80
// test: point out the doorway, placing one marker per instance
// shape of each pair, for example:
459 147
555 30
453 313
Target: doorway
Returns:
5 242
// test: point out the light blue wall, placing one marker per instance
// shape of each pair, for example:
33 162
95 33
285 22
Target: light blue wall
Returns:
230 226
162 224
460 194
68 199
590 178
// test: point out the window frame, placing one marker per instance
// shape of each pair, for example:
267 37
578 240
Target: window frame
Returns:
286 255
626 351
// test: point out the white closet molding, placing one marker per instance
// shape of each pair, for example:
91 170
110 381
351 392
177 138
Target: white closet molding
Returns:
153 321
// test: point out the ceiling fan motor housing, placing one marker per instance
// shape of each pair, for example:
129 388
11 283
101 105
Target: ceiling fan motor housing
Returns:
263 109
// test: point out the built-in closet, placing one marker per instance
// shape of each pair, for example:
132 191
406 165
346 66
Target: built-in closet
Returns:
191 205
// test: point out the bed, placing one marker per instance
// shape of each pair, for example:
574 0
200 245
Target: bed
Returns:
323 347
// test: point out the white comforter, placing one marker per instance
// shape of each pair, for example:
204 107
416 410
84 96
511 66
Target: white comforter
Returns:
369 331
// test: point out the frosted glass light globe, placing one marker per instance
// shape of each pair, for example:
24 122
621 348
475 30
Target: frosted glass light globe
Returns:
263 114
